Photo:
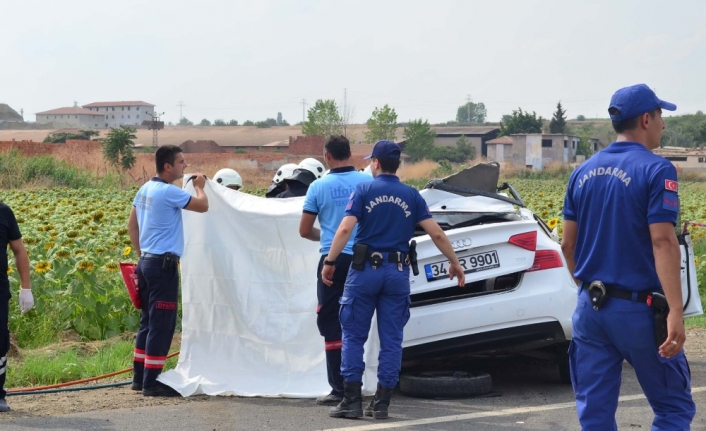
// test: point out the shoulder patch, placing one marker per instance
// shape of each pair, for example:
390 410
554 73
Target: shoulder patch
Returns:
671 185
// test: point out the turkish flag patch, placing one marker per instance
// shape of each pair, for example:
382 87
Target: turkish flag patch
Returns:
671 185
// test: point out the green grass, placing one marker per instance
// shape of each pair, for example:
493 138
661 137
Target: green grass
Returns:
48 367
18 171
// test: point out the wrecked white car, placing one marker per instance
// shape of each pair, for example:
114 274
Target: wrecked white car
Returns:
519 296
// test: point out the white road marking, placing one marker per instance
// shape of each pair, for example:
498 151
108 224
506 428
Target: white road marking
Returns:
494 413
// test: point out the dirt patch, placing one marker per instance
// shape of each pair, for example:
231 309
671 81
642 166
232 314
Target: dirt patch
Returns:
85 401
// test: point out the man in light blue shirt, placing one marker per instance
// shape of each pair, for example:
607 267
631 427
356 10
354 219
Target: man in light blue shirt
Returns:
157 235
326 199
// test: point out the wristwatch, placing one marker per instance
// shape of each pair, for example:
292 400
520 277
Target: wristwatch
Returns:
329 262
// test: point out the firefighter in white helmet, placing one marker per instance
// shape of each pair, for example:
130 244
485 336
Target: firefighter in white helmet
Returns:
308 171
229 178
278 185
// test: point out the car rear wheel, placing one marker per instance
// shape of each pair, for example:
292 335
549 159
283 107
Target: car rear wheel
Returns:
441 384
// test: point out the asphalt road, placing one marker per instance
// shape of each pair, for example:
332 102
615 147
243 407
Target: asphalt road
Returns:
526 396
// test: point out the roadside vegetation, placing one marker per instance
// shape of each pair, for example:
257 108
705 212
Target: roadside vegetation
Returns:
73 223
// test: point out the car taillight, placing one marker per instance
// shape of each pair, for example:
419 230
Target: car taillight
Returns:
527 240
545 259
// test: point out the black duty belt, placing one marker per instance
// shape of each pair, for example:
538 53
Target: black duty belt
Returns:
597 290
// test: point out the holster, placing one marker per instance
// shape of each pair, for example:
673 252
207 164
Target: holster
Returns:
360 255
413 257
659 303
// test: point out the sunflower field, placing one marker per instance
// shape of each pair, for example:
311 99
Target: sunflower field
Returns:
76 239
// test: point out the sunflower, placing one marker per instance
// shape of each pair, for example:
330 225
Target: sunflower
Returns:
553 222
42 267
49 246
86 265
9 270
62 253
72 234
122 231
79 251
112 266
127 251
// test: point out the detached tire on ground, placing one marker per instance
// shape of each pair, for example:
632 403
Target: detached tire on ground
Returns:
445 384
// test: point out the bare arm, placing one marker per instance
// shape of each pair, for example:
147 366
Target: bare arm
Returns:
568 246
665 248
198 203
133 229
441 241
307 229
21 262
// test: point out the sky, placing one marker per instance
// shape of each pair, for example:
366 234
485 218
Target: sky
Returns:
249 60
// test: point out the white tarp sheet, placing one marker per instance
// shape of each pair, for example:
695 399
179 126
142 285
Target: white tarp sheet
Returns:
249 302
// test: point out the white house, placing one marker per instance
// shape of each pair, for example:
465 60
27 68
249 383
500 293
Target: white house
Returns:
116 114
72 116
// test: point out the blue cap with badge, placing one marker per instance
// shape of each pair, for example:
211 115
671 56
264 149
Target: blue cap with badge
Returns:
385 150
636 100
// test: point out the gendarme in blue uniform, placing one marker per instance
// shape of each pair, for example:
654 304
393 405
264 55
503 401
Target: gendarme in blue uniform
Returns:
387 212
327 198
614 197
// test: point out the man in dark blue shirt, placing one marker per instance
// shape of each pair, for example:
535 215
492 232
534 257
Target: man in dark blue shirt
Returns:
386 212
620 210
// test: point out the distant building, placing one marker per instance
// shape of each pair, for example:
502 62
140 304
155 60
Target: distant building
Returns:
116 114
688 159
536 150
73 116
477 136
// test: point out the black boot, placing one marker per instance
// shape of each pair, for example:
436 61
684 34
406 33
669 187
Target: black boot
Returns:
351 406
380 402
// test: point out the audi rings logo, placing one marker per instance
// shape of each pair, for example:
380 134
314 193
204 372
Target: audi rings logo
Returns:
461 243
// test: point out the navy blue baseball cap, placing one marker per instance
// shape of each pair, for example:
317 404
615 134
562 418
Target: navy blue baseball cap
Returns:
385 150
636 100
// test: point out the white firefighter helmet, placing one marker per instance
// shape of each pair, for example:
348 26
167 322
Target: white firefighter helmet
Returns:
314 166
283 172
228 177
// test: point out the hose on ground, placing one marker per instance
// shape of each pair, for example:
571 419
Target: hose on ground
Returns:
51 388
83 388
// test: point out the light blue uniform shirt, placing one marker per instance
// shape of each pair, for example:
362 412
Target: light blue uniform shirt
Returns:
327 197
158 205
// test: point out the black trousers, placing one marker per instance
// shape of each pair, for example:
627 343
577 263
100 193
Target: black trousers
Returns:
4 336
159 292
327 318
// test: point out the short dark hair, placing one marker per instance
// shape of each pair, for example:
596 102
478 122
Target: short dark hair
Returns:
389 166
166 154
630 123
339 147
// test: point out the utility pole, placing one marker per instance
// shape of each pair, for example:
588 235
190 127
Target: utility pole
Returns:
181 106
468 108
345 112
303 102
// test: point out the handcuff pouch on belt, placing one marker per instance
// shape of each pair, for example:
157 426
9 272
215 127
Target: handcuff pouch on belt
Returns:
597 293
360 255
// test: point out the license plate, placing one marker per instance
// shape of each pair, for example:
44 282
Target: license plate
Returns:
473 263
